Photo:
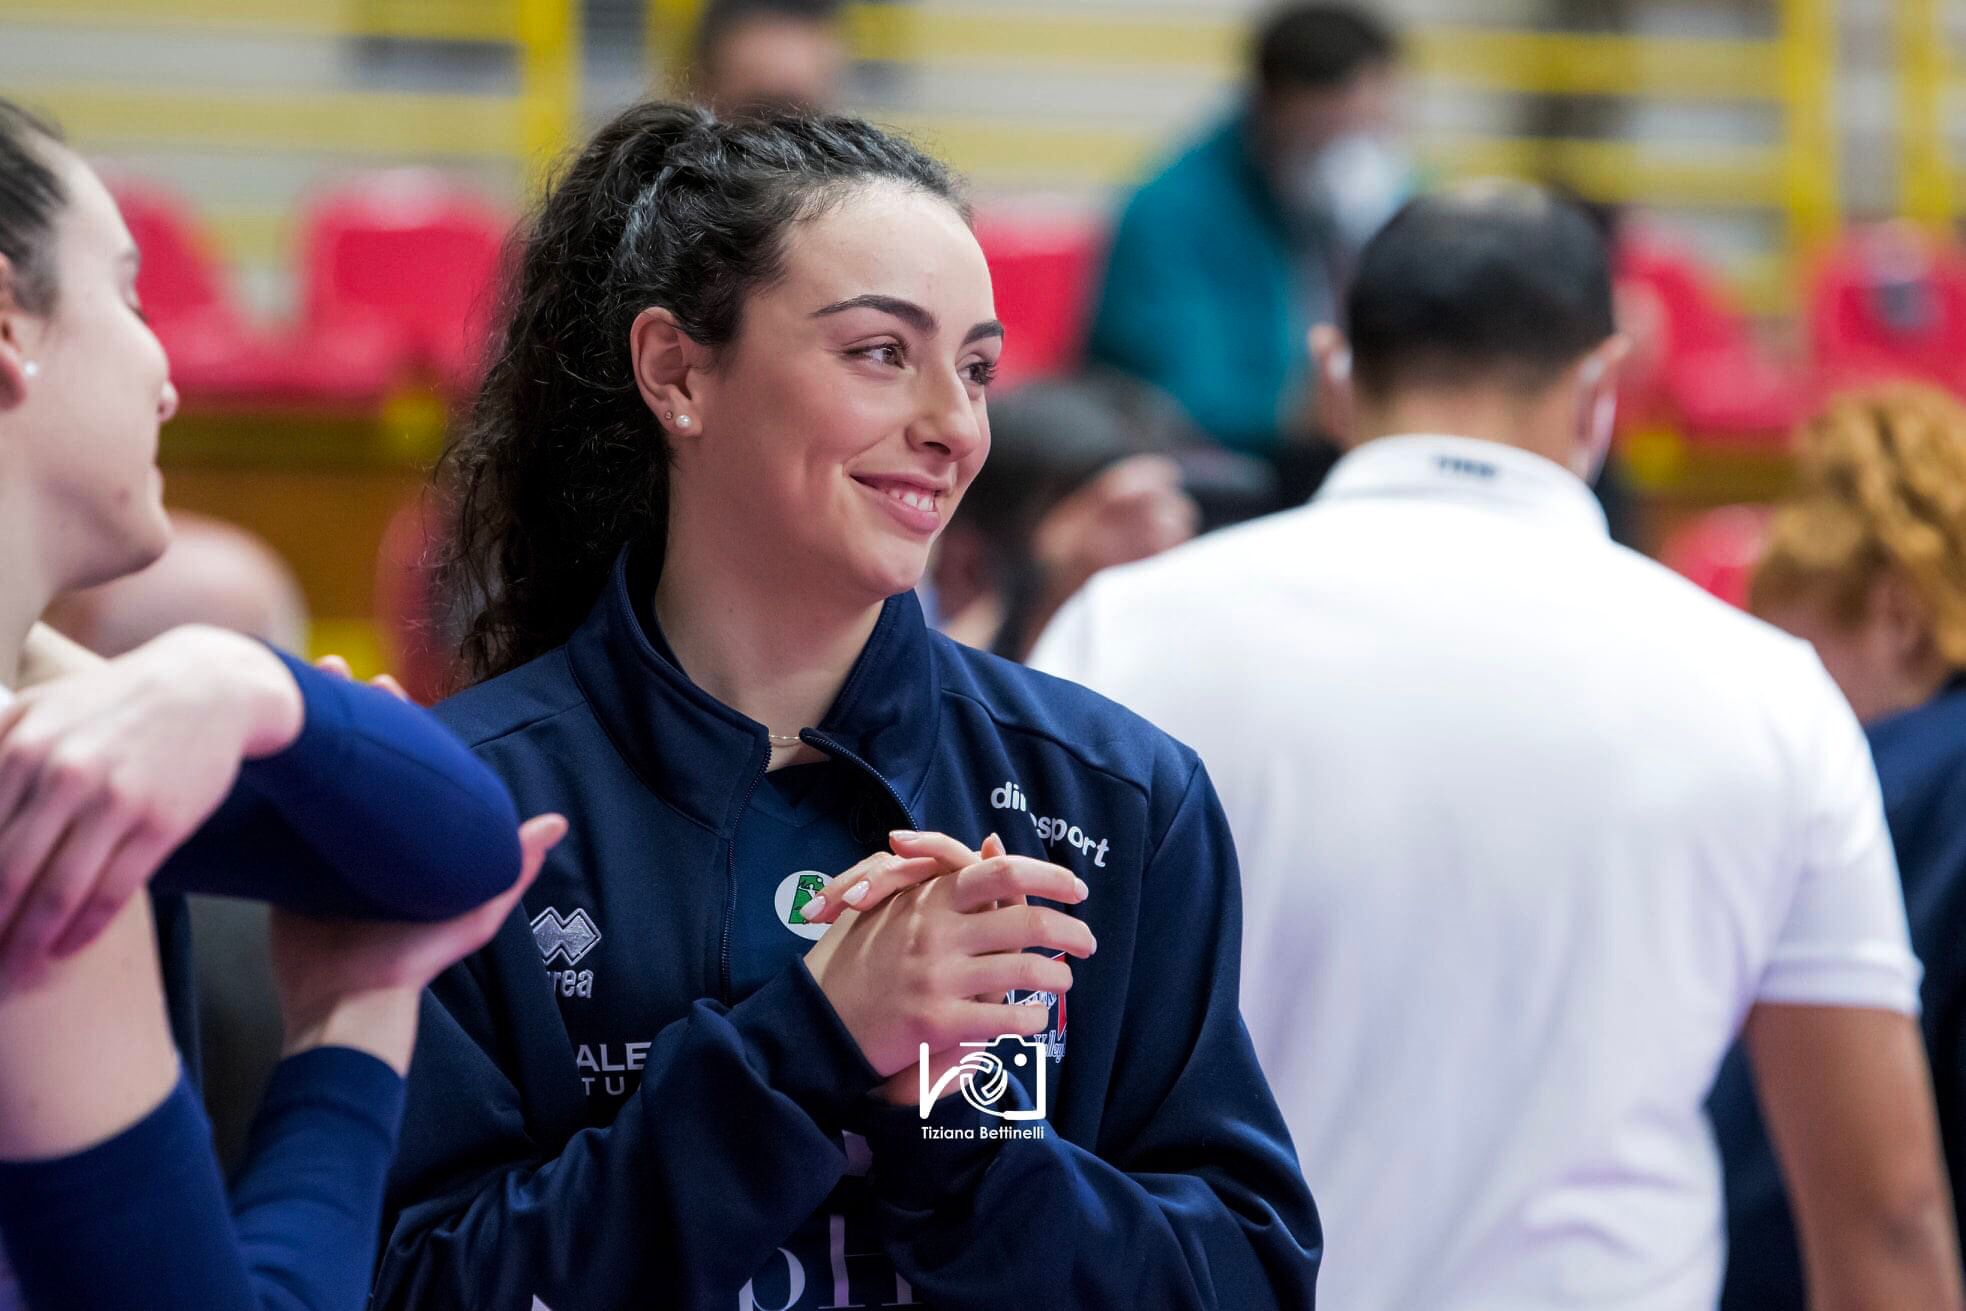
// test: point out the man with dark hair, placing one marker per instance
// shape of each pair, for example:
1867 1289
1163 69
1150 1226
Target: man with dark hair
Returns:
1222 262
1531 828
769 54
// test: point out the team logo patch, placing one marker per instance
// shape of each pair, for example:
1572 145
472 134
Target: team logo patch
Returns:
790 902
1053 1038
564 937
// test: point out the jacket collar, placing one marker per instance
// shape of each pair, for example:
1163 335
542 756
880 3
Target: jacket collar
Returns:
704 758
1468 470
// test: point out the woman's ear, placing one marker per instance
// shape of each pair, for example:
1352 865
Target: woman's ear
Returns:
17 369
664 357
1904 620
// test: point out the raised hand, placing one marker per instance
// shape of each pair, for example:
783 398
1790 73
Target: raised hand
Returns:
105 771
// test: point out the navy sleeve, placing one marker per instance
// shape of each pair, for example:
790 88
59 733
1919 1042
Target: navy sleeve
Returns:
142 1219
374 811
731 1141
1194 1198
307 1204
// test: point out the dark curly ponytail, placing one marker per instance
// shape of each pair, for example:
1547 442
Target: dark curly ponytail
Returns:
562 464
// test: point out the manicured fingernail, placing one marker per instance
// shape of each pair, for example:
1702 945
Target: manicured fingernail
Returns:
902 835
857 893
1083 890
813 909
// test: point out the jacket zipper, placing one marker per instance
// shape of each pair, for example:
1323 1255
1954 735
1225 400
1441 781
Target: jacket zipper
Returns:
814 738
838 752
730 882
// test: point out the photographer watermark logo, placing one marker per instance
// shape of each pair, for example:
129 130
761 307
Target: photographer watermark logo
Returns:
790 902
983 1079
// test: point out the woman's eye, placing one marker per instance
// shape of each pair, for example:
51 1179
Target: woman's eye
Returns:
980 374
885 353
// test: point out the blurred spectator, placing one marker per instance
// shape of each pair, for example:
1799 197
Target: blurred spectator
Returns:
212 573
765 54
1069 489
1868 561
1221 264
1528 825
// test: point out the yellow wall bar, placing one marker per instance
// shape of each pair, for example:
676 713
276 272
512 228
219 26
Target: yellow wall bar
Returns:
430 20
1496 59
1586 64
671 30
549 81
1813 160
377 123
1625 172
1925 173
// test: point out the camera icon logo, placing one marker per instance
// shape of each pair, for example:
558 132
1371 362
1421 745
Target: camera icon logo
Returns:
984 1078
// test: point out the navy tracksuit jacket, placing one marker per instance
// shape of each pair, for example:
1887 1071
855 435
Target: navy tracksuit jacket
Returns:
596 1121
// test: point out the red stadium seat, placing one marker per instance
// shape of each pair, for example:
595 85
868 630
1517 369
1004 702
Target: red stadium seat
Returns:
1719 550
216 354
213 351
1889 302
407 256
1704 373
1043 271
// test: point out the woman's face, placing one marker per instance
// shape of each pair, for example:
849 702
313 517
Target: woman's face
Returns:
842 426
81 434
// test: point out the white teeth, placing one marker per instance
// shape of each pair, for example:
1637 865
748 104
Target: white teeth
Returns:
913 499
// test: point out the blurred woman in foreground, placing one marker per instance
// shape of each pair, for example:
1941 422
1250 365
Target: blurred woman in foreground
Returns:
200 762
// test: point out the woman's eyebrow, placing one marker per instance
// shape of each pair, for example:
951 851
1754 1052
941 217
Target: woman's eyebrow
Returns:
906 310
909 313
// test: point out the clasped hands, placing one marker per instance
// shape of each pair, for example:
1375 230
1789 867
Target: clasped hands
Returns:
929 937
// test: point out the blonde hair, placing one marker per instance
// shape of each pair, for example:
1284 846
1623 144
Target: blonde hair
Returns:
1881 487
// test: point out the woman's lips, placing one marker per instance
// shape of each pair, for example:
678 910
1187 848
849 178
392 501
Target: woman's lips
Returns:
915 507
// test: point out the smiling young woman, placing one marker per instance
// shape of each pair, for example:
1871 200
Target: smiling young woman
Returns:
819 854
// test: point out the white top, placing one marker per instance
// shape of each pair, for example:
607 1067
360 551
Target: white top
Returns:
9 1290
10 1298
1527 824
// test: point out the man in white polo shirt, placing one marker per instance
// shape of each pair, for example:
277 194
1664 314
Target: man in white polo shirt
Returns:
1531 828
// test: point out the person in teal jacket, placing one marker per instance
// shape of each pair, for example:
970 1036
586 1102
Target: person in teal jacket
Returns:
1221 264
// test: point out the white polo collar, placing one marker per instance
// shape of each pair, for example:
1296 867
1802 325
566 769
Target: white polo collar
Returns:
1466 470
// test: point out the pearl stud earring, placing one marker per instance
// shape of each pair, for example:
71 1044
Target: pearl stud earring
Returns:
30 369
682 421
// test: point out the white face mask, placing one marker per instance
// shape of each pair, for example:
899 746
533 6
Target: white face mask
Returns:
1355 183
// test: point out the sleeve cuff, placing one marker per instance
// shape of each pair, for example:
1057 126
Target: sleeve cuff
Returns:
797 1041
175 1131
920 1161
338 1079
323 730
1877 977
